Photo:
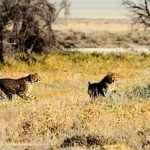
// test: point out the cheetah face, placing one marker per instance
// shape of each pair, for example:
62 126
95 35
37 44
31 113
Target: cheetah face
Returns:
34 77
110 78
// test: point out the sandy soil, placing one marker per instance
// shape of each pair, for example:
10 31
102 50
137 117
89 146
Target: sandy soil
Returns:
93 25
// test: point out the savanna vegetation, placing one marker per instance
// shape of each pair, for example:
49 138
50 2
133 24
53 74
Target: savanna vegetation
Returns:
64 117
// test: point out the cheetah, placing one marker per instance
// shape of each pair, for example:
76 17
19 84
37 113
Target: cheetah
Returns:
100 88
21 86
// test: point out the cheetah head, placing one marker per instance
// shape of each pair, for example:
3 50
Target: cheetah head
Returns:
34 77
110 77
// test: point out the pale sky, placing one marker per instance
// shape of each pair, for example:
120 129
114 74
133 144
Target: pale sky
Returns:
97 9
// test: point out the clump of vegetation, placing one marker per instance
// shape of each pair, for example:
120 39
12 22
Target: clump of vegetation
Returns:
139 92
82 140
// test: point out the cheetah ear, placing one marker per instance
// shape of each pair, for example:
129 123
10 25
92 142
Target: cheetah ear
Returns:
35 73
111 74
89 83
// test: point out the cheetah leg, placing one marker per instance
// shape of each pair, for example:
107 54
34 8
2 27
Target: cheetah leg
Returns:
26 96
9 96
23 96
3 96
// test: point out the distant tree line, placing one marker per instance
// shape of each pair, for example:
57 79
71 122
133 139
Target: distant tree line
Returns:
26 26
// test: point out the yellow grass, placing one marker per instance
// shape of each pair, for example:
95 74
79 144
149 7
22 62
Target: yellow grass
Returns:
63 108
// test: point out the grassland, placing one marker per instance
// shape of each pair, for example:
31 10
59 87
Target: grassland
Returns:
101 33
64 117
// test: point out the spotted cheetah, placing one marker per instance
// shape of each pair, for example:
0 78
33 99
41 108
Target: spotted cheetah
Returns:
22 86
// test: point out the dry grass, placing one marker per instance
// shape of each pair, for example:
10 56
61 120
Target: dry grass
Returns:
64 117
101 33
